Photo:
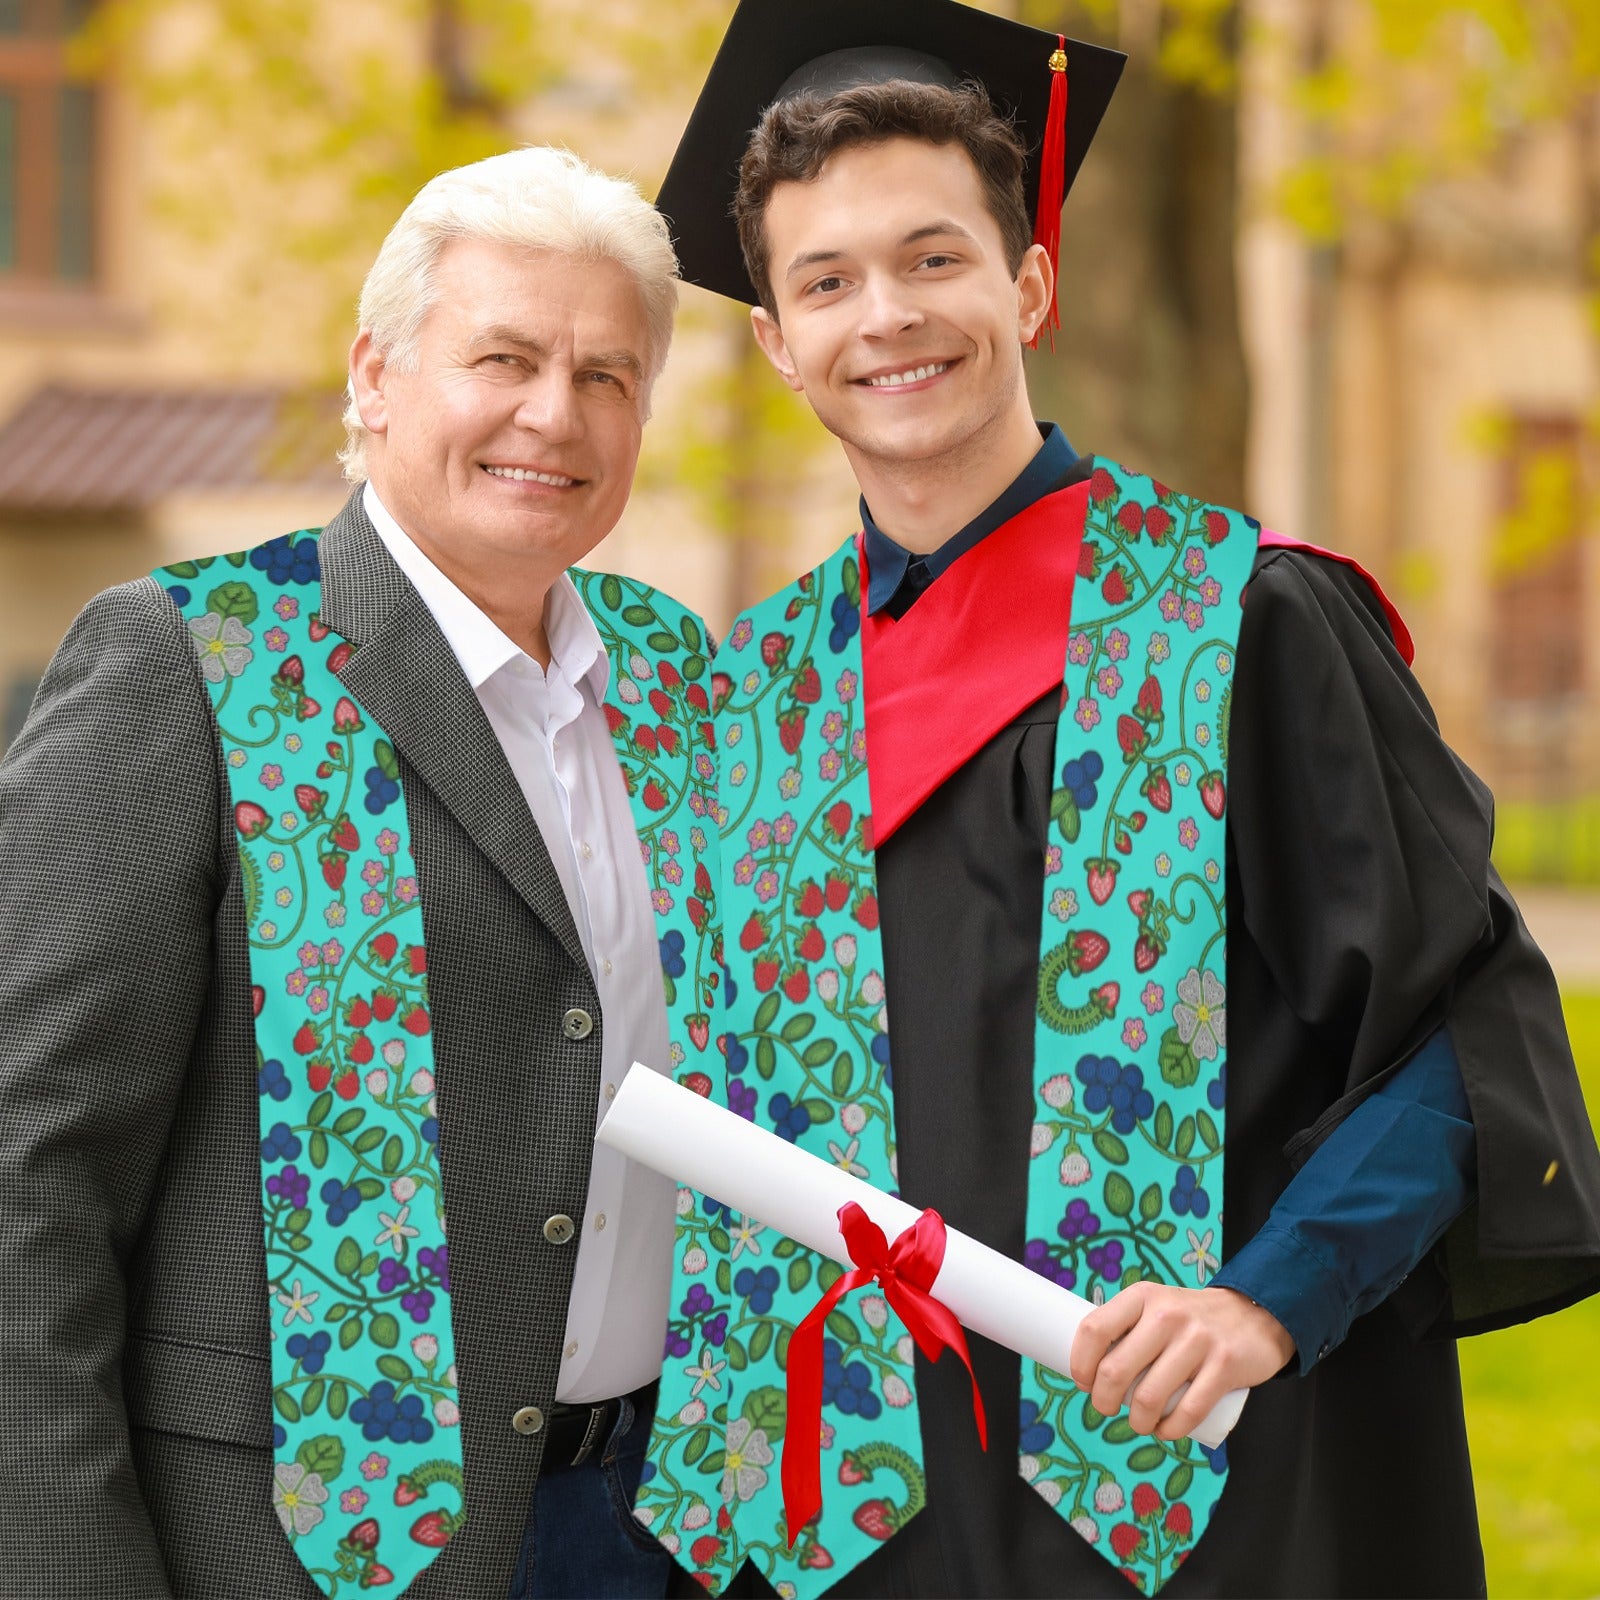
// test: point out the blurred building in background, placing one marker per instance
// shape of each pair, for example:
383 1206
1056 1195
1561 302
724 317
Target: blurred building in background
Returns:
190 191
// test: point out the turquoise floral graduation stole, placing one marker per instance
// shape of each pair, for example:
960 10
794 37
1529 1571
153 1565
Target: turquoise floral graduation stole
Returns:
366 1425
1130 1047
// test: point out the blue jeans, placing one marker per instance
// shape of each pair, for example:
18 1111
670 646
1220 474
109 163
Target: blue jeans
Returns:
581 1541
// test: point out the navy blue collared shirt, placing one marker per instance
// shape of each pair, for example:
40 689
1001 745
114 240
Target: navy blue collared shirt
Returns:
896 577
1380 1191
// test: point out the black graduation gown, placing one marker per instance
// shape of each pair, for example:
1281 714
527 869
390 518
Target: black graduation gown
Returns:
1363 912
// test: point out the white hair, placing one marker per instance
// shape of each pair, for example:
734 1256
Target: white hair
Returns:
536 197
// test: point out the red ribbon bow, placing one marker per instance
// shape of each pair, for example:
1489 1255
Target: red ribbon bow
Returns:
905 1271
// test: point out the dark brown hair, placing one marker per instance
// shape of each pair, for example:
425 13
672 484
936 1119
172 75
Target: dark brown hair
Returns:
796 137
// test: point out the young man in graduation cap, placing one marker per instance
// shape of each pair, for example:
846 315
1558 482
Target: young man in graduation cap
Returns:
1161 899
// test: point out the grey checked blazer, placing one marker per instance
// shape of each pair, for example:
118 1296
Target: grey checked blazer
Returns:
133 1307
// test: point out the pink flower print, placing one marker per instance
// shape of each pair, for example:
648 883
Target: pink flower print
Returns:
1159 648
287 607
742 634
1153 998
744 869
1117 645
374 872
783 830
276 640
1087 714
1171 605
334 913
1188 833
828 767
1193 616
1210 592
697 803
1194 561
295 983
1109 681
406 889
845 688
388 842
1133 1034
371 903
352 1501
1079 649
310 954
375 1466
767 886
271 775
671 872
662 901
833 727
317 1000
669 842
704 768
332 952
858 745
760 835
1052 861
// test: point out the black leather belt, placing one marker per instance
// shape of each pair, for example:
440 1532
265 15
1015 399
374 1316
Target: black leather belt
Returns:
575 1433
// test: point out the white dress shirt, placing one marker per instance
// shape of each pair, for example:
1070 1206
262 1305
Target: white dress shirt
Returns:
554 734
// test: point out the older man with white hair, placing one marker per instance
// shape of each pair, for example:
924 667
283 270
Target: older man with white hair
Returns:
340 880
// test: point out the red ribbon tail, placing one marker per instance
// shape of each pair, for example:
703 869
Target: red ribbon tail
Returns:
935 1328
1052 187
802 1434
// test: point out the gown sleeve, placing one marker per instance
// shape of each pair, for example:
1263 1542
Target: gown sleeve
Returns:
1360 844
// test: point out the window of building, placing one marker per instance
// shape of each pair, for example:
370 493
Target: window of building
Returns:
1538 566
48 132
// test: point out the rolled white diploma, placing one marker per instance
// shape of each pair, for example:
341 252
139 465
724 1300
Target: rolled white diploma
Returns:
673 1130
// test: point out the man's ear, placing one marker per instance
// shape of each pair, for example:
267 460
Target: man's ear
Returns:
1036 283
367 372
774 347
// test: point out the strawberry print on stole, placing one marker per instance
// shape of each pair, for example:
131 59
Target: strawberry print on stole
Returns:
1125 1179
658 707
367 1420
367 1481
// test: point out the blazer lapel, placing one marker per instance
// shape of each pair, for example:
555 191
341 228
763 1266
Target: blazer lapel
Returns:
406 677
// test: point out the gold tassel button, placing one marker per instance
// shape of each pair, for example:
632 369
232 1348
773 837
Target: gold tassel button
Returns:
1058 62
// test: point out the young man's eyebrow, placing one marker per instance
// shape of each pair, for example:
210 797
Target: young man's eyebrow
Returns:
942 228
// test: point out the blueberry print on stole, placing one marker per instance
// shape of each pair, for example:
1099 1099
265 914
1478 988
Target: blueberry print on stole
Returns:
808 1058
367 1478
658 707
1130 1052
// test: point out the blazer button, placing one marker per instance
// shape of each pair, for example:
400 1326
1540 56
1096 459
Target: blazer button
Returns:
530 1419
577 1024
560 1229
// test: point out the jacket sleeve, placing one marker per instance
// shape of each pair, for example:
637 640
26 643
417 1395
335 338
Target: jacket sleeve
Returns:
108 890
1363 846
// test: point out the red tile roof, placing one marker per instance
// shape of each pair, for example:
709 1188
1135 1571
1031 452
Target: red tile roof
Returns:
93 450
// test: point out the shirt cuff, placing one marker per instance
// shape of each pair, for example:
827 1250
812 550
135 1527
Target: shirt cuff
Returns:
1282 1275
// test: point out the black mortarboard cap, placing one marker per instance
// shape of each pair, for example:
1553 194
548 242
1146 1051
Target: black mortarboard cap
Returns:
776 48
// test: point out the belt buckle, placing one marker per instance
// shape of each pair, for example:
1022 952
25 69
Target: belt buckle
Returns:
590 1435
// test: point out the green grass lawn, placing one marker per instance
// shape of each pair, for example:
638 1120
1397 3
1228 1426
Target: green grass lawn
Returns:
1533 1414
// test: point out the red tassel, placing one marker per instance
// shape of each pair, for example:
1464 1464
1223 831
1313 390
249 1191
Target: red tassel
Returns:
1052 183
